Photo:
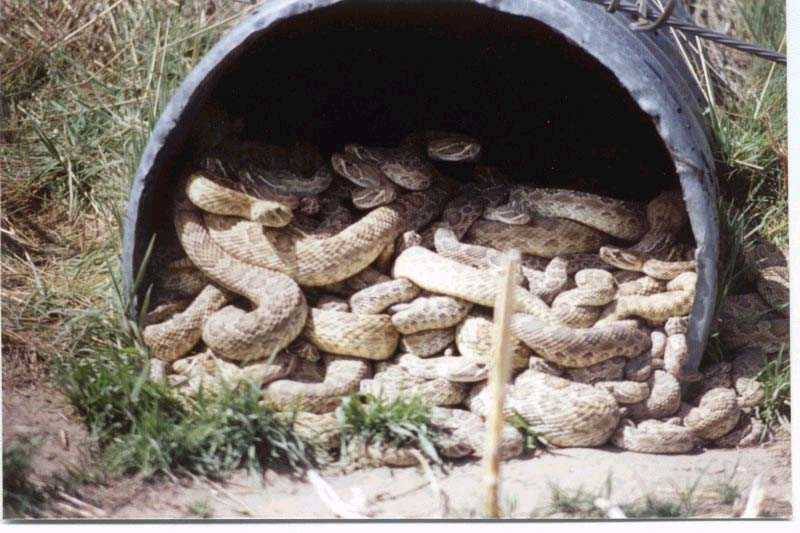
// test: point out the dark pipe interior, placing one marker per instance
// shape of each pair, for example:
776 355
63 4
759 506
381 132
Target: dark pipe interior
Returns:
547 112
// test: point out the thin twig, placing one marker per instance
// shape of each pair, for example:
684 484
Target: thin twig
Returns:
331 500
767 82
755 500
501 340
438 493
96 511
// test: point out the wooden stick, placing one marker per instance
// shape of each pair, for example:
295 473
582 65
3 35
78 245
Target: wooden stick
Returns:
331 500
612 511
755 500
438 493
497 382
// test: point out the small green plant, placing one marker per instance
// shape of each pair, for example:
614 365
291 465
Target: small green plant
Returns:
579 503
530 440
143 426
682 506
776 379
511 505
201 509
404 421
686 497
653 507
728 490
21 497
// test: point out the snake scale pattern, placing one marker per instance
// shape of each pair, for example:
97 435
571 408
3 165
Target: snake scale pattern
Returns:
375 271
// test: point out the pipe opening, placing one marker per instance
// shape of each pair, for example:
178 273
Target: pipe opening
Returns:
547 112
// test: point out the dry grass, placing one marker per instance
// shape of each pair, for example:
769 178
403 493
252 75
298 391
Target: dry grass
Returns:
82 87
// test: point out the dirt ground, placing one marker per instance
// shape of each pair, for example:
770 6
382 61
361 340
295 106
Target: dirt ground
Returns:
404 493
396 493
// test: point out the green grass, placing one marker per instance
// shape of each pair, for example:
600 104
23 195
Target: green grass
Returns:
577 503
750 126
82 92
530 440
727 489
776 379
21 497
682 505
201 509
728 492
653 507
144 428
401 422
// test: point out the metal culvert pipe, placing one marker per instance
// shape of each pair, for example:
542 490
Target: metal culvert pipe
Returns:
564 91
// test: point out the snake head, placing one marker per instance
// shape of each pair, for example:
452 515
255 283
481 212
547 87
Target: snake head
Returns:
506 214
471 371
374 196
359 172
454 148
620 258
270 214
363 153
414 176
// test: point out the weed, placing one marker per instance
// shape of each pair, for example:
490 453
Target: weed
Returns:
776 379
530 440
404 421
750 127
201 509
653 507
21 497
579 502
727 490
511 505
147 429
682 506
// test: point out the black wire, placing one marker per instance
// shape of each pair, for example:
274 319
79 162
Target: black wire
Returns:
703 33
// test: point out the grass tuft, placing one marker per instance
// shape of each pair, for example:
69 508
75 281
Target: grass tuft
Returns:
579 503
201 509
727 489
147 429
749 122
776 379
22 498
653 507
401 422
682 506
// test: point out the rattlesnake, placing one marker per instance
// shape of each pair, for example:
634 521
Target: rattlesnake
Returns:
280 310
609 370
559 411
614 217
666 216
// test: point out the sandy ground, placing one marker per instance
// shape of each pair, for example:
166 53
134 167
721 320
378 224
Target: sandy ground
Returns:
405 493
395 493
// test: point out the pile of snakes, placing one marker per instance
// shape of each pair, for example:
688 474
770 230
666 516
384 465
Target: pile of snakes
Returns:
374 270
